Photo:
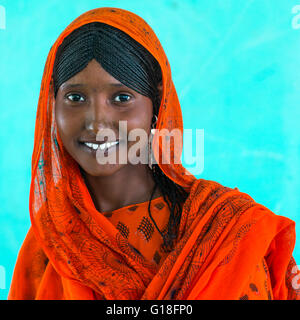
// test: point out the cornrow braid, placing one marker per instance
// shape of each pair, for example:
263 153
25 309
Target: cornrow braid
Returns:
130 63
174 195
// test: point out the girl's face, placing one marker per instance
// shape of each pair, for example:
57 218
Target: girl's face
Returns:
94 100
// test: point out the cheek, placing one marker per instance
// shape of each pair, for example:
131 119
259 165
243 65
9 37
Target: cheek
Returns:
142 118
141 123
68 124
139 127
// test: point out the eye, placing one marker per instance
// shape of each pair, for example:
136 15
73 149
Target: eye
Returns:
123 97
75 97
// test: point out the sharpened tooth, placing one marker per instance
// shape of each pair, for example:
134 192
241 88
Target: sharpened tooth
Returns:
103 146
90 145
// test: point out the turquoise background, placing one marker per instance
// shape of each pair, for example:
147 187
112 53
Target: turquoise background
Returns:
235 65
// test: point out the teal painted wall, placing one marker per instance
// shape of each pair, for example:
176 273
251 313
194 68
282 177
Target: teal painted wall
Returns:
235 65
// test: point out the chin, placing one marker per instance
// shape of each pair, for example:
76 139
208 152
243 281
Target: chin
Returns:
88 162
101 170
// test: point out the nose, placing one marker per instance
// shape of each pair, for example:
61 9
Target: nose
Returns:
98 117
96 125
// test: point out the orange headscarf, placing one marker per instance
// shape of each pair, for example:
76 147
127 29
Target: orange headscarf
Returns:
228 246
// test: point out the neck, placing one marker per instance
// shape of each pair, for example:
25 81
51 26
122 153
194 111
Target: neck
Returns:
130 185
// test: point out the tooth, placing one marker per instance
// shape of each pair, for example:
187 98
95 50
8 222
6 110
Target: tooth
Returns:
95 146
104 145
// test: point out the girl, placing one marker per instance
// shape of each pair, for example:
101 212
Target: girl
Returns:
129 230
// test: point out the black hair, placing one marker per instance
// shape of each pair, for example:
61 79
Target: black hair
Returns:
130 63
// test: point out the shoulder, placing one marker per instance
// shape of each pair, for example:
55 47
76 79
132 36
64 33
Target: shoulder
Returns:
29 269
205 194
215 202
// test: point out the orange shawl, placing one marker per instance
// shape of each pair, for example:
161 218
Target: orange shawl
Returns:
228 246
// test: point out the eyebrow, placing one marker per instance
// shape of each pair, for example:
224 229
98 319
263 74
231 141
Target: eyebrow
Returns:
76 85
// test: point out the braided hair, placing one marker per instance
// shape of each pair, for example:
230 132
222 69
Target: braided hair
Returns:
130 63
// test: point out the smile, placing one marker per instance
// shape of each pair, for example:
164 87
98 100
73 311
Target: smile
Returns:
102 146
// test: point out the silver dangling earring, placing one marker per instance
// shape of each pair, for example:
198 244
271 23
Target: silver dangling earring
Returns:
151 154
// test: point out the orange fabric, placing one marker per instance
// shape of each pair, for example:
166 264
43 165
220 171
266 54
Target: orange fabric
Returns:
228 246
134 223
